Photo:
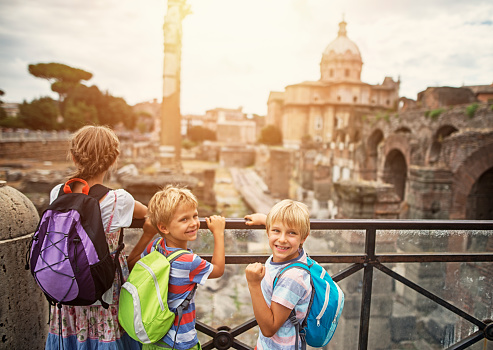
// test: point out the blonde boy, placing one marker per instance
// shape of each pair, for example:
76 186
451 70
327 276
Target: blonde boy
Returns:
173 212
287 226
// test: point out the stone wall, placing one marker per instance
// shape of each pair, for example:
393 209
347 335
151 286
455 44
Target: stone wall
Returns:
40 150
23 307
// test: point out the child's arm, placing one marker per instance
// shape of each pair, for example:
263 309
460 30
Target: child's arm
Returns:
255 219
217 224
269 319
140 210
149 231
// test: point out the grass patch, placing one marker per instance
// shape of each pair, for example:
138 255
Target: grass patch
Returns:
471 110
434 114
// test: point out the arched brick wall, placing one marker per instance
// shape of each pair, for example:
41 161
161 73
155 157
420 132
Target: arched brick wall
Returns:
465 177
396 142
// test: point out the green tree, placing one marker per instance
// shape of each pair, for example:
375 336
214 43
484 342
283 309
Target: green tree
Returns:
110 110
270 135
40 114
115 110
200 134
63 78
145 122
79 104
78 114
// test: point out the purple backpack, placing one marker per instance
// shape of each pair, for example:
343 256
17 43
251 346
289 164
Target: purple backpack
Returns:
69 257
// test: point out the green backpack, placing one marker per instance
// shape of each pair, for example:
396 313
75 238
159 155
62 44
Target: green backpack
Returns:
143 307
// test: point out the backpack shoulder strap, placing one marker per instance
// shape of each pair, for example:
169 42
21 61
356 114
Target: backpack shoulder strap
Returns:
297 264
292 316
176 254
98 191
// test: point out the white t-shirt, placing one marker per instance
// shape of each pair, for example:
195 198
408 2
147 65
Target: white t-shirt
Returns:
124 208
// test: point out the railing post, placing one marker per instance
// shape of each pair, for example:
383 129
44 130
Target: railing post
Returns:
367 288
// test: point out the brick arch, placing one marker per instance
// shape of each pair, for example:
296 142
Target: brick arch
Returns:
399 143
465 177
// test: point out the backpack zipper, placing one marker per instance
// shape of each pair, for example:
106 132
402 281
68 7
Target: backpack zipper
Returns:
326 303
76 241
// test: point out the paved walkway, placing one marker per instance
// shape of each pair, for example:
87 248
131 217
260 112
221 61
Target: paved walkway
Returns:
253 190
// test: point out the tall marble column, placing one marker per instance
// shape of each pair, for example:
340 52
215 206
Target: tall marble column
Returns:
170 134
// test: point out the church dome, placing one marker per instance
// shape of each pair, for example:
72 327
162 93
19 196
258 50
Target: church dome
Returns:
341 60
342 44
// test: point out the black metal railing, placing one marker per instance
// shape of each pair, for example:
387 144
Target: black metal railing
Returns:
225 337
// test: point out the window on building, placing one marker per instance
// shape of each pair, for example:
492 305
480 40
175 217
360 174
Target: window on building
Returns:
331 73
318 123
338 98
346 73
355 99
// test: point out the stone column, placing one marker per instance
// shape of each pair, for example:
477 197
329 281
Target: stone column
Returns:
278 181
23 306
170 145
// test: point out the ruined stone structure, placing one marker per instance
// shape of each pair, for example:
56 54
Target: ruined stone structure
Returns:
47 150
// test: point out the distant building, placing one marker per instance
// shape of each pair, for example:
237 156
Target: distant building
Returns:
11 109
324 110
484 93
191 120
231 126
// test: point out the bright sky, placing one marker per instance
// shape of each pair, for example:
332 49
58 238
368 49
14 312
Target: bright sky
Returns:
236 52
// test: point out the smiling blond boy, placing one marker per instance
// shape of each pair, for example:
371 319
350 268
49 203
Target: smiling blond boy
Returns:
287 227
173 212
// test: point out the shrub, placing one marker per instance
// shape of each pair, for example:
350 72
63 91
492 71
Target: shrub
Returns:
434 114
471 110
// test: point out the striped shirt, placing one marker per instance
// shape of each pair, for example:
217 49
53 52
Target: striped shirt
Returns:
186 271
293 290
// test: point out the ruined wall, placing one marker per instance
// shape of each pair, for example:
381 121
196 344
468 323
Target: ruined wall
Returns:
41 150
436 97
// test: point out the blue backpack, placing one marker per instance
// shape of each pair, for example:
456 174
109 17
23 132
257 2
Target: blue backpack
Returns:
324 310
69 256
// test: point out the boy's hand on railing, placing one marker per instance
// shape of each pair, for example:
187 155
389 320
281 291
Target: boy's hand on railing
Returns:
216 224
254 273
255 219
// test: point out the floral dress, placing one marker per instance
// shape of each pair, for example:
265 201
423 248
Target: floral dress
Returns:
94 327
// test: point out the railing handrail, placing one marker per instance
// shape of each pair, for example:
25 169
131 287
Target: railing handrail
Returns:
377 224
367 261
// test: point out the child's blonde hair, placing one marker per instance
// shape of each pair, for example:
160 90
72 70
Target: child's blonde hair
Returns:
291 213
164 203
94 150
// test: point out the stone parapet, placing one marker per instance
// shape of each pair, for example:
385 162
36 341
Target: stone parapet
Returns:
23 307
